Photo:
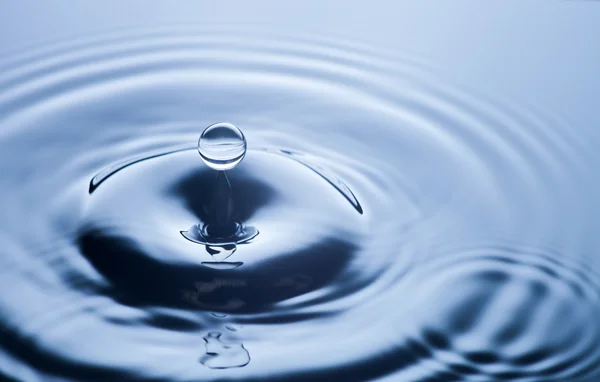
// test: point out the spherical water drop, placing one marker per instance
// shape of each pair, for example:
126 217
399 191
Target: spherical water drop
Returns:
222 146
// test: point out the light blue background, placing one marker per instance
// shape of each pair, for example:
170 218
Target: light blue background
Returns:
543 52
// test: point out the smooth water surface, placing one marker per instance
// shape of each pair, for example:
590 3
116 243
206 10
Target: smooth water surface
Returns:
385 223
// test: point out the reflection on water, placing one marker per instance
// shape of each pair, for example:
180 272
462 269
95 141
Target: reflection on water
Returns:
222 230
383 224
220 355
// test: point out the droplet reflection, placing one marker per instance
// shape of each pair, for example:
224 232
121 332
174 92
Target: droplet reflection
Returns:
222 355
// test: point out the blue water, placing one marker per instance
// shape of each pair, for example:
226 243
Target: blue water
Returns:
417 201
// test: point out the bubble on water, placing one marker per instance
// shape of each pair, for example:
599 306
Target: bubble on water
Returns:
222 146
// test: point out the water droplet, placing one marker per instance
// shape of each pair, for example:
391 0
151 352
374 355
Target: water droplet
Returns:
222 146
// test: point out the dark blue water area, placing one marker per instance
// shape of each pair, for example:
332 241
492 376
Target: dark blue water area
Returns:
384 222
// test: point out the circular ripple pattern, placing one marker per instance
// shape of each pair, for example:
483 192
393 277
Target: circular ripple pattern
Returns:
409 230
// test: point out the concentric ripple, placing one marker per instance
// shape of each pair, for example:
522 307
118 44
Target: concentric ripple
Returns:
513 314
378 192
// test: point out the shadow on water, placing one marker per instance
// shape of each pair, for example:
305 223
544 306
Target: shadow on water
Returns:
204 194
139 279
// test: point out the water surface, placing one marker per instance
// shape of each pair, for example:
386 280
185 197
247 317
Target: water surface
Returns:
408 228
